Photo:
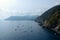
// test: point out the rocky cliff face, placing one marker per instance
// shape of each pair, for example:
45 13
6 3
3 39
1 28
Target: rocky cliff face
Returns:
54 22
51 19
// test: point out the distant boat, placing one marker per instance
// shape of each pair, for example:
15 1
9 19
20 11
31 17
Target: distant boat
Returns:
31 31
25 31
15 29
17 26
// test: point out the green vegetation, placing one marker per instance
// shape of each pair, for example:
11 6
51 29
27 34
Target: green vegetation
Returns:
51 19
53 22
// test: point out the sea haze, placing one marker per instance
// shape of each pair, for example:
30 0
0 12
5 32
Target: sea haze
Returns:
19 18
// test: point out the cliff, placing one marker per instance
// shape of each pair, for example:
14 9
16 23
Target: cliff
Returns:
51 19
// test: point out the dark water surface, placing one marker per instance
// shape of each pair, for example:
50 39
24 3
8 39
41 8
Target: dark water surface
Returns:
24 30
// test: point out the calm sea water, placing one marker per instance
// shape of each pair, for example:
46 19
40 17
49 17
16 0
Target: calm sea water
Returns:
24 30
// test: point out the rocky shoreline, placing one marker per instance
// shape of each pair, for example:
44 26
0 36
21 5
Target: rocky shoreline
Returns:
50 19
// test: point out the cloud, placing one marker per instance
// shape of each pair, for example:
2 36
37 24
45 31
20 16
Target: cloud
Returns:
25 7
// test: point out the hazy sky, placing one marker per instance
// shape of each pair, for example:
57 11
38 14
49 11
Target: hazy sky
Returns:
25 7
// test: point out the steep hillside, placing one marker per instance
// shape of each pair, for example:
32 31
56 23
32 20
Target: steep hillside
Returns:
48 13
51 19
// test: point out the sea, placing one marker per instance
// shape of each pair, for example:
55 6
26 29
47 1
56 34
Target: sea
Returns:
25 30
